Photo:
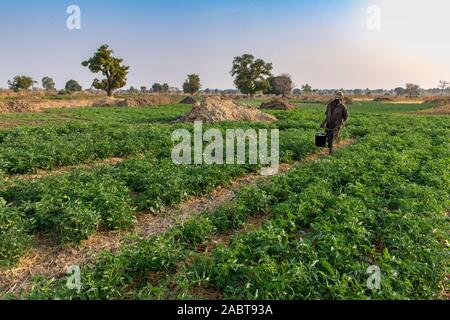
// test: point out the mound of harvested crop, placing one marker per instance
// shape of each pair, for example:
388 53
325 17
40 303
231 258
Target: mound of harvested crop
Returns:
160 100
278 104
149 101
18 106
214 109
140 102
188 100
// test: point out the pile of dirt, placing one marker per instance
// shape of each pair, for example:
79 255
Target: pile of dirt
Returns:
139 102
278 104
188 100
214 109
18 106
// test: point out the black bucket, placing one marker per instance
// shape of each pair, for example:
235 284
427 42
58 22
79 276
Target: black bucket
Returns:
321 139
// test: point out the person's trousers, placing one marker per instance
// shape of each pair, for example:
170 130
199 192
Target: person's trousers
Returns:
332 135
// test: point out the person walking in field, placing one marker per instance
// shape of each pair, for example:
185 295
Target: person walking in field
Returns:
337 116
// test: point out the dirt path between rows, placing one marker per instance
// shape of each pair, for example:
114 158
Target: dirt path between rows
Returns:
50 260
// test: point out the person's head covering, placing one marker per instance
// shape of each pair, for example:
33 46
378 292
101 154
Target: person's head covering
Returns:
340 95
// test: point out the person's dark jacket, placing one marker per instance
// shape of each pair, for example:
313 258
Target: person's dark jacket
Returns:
337 115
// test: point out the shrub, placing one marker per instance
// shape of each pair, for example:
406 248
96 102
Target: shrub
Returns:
70 221
75 205
13 234
194 232
227 216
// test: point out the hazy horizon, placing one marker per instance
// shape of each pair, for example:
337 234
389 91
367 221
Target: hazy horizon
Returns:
324 43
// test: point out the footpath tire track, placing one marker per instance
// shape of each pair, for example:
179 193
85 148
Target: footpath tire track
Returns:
48 259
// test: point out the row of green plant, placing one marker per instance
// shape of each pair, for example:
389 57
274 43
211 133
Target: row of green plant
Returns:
117 276
72 206
113 115
380 202
123 115
24 150
98 133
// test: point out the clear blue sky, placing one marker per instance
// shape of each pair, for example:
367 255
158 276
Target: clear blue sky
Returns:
325 43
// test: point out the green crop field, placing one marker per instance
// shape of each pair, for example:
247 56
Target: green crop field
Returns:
382 200
57 117
225 158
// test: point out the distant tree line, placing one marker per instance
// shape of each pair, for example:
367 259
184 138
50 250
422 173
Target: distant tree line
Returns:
251 76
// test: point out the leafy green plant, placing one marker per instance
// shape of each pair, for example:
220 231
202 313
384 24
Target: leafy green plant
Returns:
194 232
74 205
14 239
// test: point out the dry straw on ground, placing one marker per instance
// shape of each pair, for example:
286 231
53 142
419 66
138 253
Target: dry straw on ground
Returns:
18 106
36 105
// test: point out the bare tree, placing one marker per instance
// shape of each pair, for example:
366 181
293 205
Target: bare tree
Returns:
443 85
